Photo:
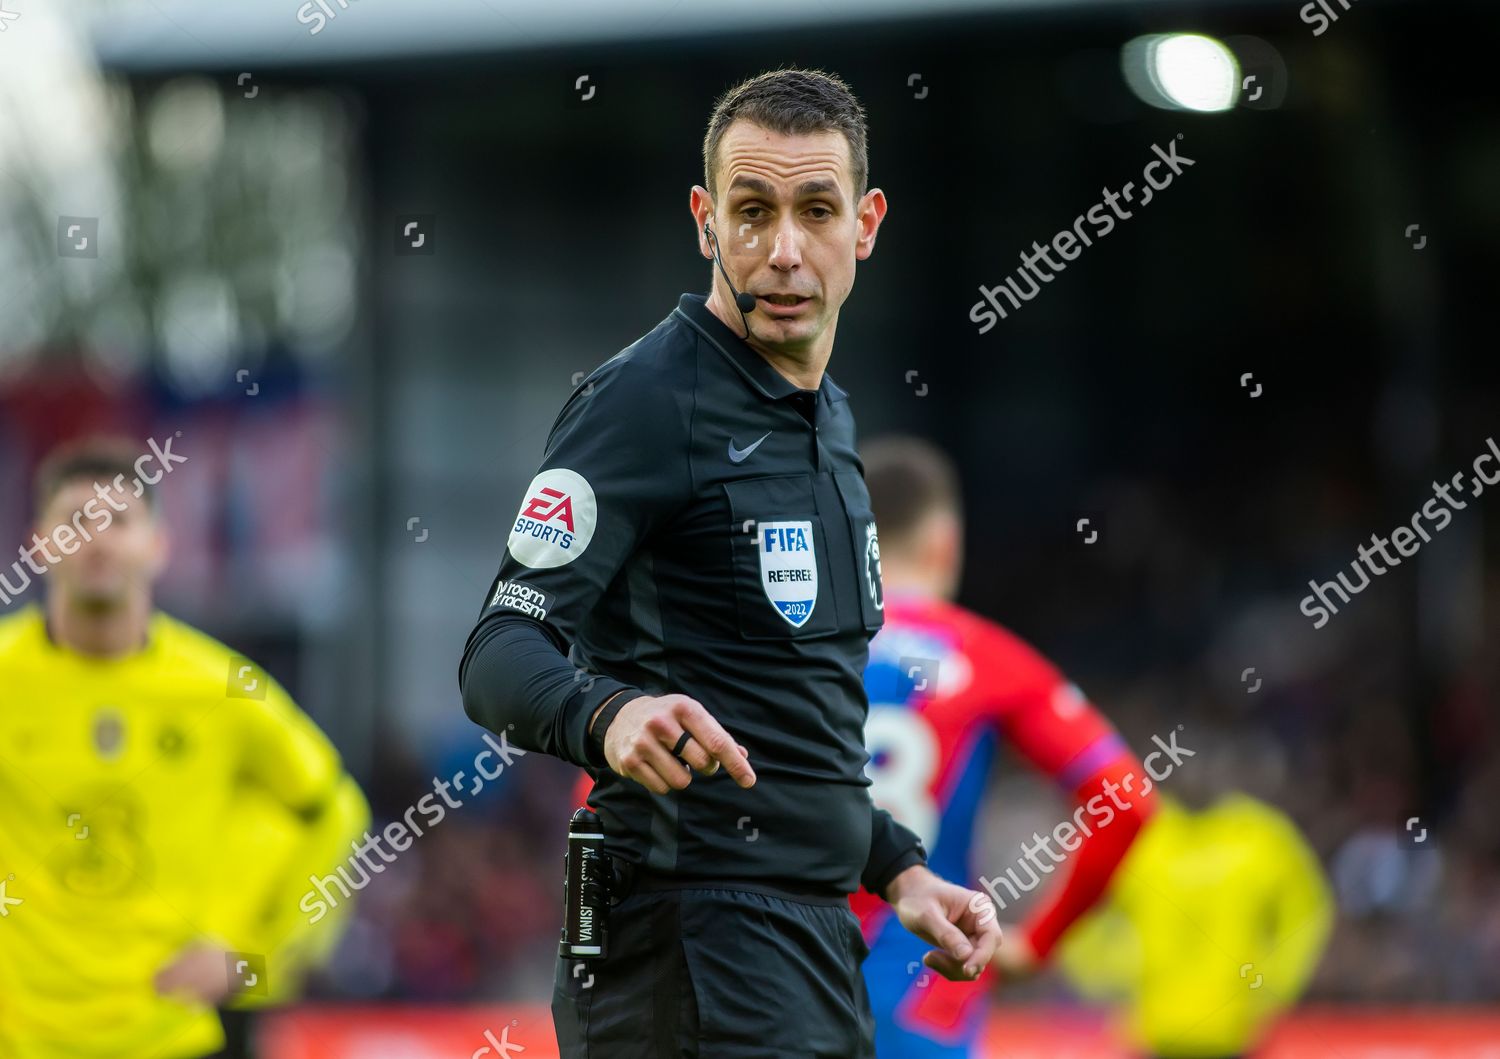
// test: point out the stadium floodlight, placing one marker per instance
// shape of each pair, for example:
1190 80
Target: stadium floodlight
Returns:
1181 71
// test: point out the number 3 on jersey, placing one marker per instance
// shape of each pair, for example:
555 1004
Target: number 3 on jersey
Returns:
903 761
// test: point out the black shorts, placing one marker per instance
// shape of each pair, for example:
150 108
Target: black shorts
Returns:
719 974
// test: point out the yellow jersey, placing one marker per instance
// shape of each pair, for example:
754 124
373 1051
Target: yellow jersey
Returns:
172 796
1212 925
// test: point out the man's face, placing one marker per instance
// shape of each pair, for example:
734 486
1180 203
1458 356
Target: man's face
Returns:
123 558
789 229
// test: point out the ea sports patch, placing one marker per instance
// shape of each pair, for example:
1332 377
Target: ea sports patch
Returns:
556 520
789 568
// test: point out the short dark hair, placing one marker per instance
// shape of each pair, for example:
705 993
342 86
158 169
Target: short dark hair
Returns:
791 102
96 459
908 479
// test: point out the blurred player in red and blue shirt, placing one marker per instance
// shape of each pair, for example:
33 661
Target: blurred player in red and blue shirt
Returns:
946 687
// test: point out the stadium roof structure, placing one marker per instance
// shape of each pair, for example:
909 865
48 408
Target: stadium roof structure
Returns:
173 35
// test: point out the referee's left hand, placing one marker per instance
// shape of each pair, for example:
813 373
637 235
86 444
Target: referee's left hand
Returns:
940 912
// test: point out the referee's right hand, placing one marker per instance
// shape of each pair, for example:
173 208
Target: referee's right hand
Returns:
638 743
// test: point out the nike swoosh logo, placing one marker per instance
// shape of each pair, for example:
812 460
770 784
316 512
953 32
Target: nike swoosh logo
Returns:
739 455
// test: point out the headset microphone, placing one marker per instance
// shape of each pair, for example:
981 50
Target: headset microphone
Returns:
743 300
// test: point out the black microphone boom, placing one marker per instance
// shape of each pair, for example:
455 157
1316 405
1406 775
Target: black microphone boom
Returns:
743 300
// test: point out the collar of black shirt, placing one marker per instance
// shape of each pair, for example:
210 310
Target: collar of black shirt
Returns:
754 368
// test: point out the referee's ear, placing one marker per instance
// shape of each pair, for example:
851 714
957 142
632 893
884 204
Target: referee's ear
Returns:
701 204
869 214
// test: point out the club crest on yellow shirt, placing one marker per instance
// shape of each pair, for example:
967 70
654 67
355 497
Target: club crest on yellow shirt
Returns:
171 742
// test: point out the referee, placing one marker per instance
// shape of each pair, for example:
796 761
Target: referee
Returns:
699 541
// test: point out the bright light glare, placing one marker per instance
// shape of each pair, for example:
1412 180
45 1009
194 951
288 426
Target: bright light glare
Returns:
1181 71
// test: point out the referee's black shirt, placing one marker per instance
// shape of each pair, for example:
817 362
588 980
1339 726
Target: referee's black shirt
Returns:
700 525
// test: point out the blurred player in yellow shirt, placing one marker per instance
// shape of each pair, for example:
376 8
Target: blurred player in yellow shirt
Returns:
1213 924
162 802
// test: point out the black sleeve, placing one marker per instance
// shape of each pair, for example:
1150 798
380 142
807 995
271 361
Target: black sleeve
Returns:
513 673
614 468
893 849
